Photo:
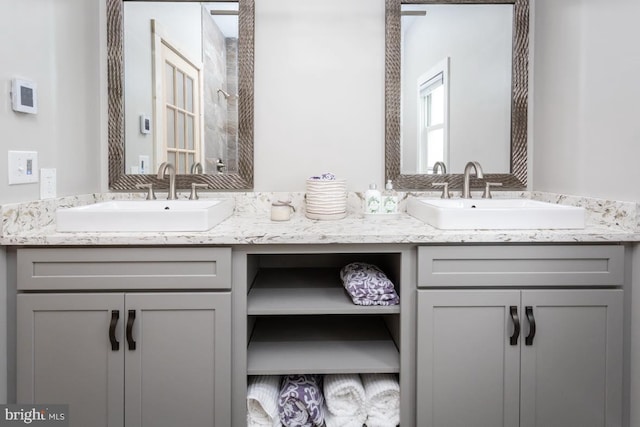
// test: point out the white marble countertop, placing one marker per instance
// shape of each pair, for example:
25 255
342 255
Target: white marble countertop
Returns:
253 226
242 229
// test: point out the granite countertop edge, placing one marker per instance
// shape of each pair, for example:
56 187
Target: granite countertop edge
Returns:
242 229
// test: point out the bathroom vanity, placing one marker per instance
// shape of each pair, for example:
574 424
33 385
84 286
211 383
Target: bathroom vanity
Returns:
125 334
149 329
519 335
154 328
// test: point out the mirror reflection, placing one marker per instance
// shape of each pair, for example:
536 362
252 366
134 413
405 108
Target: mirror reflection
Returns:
181 86
456 87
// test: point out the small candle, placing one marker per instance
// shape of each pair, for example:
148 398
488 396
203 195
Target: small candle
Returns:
281 211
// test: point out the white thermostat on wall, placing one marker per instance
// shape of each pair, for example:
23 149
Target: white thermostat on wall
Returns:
145 124
24 96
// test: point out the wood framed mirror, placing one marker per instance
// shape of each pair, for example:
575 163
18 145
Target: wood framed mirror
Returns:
514 175
120 174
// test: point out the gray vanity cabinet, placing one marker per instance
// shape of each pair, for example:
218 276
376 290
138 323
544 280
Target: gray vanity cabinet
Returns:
520 357
64 355
467 373
157 358
179 372
571 373
472 372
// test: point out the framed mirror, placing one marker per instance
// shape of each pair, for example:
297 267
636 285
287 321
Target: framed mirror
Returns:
180 90
456 90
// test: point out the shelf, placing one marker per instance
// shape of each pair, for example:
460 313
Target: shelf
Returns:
297 291
321 345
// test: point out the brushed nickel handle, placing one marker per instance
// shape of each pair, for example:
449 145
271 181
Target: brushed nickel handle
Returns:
487 189
151 195
194 190
445 189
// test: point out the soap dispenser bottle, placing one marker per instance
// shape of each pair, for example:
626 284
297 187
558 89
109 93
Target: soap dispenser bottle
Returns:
389 199
372 200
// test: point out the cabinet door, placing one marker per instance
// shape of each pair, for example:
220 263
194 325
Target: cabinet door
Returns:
572 369
468 370
65 355
178 373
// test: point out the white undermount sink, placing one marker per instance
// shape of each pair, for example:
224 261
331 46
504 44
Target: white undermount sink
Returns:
495 214
145 215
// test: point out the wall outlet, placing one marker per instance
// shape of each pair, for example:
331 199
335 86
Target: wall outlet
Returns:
23 167
47 183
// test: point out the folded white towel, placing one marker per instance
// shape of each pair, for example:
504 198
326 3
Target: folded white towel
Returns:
345 400
382 392
335 421
262 401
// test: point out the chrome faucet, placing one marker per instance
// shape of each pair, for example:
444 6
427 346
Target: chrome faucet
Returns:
466 190
441 166
162 170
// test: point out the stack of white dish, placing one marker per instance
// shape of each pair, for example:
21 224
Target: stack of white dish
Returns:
326 199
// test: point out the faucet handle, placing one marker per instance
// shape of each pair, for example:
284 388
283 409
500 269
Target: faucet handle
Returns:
194 190
151 195
487 189
445 189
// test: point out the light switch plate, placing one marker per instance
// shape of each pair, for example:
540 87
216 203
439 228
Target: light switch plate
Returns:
143 164
23 167
48 183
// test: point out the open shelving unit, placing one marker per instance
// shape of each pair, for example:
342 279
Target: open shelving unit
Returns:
321 345
302 291
301 320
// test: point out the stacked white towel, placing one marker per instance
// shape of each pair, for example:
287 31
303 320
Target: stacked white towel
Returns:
262 401
344 397
382 392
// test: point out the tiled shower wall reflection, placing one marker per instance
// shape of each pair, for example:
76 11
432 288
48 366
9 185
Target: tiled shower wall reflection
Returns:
220 113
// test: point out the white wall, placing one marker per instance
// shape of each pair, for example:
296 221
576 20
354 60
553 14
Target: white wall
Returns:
319 92
586 98
56 43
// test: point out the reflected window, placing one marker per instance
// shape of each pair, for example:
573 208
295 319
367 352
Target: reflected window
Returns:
433 102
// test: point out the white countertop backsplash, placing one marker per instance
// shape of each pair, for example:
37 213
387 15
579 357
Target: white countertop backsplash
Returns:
33 223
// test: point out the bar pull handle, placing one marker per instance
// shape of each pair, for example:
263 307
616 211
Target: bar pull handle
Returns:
532 325
115 315
513 339
131 318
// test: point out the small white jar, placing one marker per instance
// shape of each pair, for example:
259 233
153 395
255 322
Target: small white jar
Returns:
281 211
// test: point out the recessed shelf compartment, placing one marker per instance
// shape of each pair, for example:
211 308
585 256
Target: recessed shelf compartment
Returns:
281 345
302 291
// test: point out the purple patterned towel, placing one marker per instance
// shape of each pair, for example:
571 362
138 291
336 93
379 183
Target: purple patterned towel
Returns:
368 285
301 403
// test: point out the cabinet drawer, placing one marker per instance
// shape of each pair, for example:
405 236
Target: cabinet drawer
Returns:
505 265
123 268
